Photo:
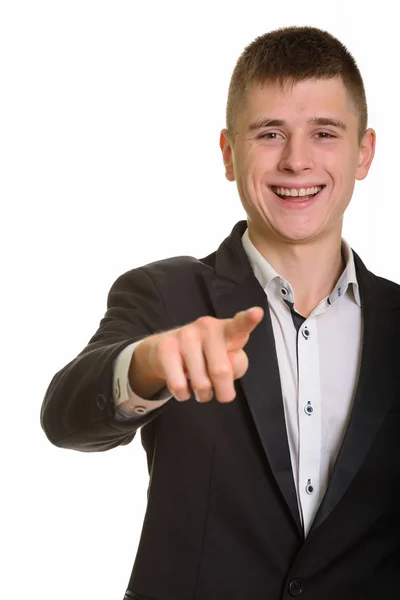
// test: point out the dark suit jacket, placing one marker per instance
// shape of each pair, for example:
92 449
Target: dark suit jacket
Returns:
222 520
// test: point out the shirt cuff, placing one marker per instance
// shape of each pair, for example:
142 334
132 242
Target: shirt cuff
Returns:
128 403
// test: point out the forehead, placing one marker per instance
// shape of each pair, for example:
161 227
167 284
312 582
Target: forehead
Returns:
299 101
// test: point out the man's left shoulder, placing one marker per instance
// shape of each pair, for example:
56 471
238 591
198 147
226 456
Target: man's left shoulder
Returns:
369 280
389 288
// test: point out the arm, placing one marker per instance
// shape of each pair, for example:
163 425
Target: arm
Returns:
78 411
130 405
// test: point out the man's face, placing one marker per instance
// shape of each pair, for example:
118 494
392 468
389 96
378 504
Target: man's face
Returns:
303 141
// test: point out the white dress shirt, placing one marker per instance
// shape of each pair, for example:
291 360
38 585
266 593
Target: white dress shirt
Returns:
318 359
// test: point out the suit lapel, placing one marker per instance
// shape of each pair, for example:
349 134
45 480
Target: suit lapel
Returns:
375 390
232 288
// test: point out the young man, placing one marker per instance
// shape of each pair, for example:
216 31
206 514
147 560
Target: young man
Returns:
288 481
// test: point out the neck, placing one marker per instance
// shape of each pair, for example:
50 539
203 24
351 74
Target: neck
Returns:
312 269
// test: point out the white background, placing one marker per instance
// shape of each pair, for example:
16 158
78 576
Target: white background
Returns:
110 115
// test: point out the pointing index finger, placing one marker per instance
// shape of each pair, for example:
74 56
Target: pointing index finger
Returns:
243 323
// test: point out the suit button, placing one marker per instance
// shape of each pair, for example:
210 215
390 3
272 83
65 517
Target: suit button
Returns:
295 588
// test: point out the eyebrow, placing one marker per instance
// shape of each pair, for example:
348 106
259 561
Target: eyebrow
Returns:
316 121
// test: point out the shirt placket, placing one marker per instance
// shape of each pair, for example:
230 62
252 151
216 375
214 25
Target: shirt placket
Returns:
309 421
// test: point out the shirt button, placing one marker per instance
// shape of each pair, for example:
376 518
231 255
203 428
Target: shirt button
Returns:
306 333
140 410
295 588
308 409
309 487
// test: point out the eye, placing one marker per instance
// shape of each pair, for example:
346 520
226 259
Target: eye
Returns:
270 135
324 135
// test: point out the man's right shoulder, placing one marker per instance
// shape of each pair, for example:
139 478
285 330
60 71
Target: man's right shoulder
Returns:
173 271
174 265
174 288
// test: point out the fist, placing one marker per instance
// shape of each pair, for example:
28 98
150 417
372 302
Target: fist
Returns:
208 353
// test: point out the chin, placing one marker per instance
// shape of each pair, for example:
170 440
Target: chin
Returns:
296 236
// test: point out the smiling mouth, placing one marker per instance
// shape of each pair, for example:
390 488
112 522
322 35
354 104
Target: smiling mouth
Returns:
297 195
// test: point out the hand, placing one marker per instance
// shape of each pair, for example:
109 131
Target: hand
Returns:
208 352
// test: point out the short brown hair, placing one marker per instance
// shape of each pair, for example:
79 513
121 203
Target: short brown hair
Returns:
294 54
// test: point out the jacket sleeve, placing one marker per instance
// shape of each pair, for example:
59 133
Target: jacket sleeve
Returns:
78 410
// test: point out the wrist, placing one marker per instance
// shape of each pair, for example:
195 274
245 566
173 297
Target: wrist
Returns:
142 379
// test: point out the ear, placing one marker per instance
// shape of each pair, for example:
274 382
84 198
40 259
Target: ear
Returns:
366 154
227 154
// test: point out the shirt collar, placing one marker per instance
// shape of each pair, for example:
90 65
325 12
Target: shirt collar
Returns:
270 279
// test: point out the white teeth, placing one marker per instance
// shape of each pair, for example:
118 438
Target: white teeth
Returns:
293 192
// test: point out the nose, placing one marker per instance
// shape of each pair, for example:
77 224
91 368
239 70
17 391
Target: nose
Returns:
296 156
